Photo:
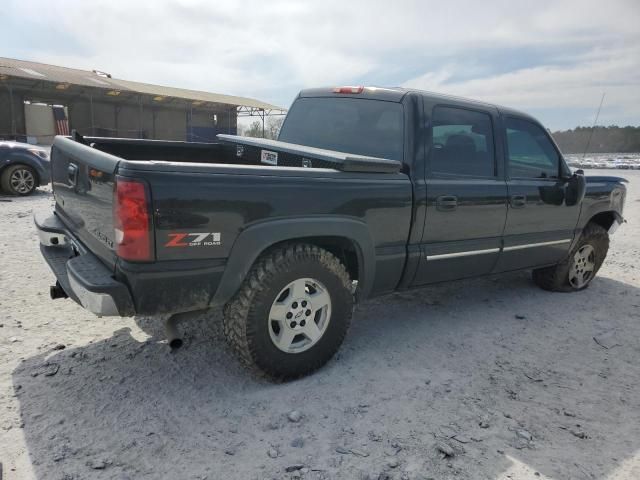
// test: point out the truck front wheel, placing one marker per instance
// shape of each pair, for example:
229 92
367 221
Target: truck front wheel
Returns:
581 265
292 312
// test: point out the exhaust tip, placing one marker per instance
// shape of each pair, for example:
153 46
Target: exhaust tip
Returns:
173 336
56 291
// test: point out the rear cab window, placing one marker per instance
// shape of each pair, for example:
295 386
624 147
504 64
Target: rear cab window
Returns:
360 126
462 143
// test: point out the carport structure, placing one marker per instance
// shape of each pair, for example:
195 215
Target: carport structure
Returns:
37 99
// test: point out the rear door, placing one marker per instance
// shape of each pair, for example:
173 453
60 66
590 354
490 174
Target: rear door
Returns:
540 225
83 180
466 194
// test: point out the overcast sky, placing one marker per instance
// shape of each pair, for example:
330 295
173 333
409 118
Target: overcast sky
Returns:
553 59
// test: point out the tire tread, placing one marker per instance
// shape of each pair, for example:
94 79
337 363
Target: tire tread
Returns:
555 278
238 309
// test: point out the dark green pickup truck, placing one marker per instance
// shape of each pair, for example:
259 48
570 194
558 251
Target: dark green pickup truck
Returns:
366 192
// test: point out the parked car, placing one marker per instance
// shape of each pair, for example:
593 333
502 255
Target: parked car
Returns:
23 168
367 191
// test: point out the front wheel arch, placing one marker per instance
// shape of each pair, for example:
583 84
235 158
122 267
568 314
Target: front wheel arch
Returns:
605 219
556 277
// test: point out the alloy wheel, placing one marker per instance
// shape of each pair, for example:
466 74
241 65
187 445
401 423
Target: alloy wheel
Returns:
299 315
22 181
583 267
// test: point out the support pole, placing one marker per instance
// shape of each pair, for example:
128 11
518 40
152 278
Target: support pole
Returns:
116 112
93 124
262 123
13 120
139 116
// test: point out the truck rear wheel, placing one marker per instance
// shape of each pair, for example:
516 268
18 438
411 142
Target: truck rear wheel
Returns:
292 312
581 265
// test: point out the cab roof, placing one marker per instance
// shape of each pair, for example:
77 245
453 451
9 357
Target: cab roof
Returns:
396 94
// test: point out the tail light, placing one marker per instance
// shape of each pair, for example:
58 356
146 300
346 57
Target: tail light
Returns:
132 220
348 90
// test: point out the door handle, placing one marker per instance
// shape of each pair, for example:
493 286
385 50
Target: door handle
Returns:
72 172
518 201
446 203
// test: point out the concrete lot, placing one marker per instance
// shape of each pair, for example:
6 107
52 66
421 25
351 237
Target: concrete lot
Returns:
512 381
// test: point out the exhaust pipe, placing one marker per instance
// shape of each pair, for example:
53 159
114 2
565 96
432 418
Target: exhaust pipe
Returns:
56 291
173 337
171 327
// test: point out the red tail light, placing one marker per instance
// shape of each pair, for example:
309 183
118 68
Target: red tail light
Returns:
132 220
348 90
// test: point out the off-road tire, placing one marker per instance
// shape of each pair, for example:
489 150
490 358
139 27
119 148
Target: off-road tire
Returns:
556 278
246 325
5 179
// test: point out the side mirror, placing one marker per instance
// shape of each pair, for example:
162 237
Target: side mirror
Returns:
576 188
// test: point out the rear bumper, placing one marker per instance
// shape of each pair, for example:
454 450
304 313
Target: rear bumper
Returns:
133 288
82 276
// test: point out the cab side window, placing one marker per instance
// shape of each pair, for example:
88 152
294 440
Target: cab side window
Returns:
462 143
531 154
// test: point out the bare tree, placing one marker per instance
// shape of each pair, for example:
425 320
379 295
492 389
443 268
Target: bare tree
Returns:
274 124
271 129
254 130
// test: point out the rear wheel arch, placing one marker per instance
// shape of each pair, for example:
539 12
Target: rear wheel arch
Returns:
348 239
344 248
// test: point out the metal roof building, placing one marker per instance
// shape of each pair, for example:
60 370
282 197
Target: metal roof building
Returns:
36 99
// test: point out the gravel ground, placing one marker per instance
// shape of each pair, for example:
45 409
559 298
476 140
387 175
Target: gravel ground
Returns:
483 379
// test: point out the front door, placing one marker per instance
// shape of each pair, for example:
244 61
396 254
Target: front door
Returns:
540 225
466 195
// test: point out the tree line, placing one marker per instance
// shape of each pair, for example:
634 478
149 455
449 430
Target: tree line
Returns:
604 139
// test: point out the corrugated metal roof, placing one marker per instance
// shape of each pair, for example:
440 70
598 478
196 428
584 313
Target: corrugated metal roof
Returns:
53 73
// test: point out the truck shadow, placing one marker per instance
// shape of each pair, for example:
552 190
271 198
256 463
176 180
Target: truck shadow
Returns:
482 361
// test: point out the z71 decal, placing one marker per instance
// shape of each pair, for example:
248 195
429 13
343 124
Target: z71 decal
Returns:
196 239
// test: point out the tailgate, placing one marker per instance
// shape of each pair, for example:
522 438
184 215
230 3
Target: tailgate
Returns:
83 181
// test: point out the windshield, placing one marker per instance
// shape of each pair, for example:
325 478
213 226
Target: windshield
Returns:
352 125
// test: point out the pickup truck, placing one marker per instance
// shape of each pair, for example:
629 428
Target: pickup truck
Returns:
367 191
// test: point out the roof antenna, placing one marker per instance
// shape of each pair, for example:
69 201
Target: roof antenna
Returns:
593 127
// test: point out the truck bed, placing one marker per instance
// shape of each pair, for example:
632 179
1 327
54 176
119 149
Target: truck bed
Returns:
208 191
232 149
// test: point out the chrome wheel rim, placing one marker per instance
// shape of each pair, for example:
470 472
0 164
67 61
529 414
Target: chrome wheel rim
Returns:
299 315
22 181
583 266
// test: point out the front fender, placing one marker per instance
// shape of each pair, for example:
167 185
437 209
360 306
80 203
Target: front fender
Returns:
603 197
258 237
